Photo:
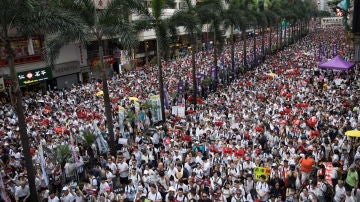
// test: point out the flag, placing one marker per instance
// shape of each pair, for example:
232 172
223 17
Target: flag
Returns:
3 192
334 50
42 164
166 97
72 143
121 113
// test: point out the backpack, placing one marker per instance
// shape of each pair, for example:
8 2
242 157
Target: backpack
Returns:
329 192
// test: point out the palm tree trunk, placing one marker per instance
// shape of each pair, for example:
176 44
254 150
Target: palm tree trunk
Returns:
193 62
107 105
244 48
254 46
280 37
161 81
270 41
17 96
262 41
215 60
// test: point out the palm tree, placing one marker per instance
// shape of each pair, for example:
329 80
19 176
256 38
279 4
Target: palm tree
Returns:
259 20
212 12
154 19
98 24
234 17
272 18
247 17
190 20
28 17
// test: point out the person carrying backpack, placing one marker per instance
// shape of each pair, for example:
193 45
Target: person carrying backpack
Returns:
326 192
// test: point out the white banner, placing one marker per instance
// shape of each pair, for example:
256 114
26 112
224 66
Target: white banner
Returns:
3 193
332 21
101 142
156 111
42 163
181 110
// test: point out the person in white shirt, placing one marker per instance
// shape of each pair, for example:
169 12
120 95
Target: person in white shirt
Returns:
53 198
67 196
305 196
241 197
340 191
216 181
22 192
123 170
349 197
153 194
180 196
262 189
103 186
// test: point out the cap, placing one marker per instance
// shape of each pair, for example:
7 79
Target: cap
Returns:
65 188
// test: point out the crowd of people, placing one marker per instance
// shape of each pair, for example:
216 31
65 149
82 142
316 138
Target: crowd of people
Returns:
275 132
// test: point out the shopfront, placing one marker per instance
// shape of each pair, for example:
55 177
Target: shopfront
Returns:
34 80
66 75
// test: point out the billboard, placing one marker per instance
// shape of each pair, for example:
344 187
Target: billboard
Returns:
331 21
33 76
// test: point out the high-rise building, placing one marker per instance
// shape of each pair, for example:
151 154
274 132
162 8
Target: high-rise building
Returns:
323 5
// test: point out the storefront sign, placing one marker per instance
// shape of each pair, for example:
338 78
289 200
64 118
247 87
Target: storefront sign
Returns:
108 59
66 69
33 76
26 50
333 21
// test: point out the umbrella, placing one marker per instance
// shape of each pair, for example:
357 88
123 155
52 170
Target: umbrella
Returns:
353 133
99 93
134 99
272 74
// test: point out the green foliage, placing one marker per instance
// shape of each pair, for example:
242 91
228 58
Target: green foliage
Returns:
130 116
147 105
89 137
61 154
206 81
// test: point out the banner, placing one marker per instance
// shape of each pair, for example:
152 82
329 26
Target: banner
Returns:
101 142
328 170
331 21
42 164
33 76
178 110
3 194
156 110
121 113
357 53
258 171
